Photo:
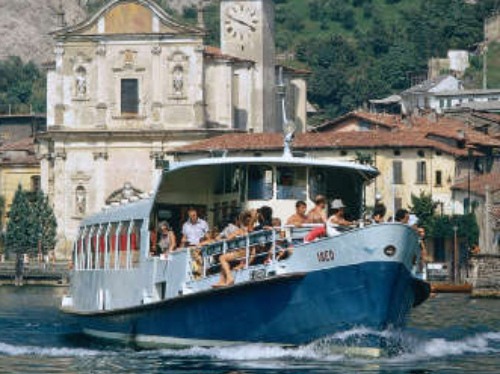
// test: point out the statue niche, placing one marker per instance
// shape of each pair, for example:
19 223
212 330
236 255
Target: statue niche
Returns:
81 88
178 72
80 201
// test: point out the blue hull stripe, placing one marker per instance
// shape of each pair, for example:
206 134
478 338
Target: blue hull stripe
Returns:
298 311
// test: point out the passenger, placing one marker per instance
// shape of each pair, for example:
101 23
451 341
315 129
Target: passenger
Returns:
300 217
265 218
194 230
166 240
230 228
318 214
379 213
247 222
402 216
282 249
337 220
211 237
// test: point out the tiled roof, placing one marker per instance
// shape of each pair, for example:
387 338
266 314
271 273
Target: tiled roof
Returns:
328 140
386 120
442 127
477 184
27 144
215 53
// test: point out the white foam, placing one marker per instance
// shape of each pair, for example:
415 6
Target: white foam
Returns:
14 350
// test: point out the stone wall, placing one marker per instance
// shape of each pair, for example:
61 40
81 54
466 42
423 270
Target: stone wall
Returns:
486 275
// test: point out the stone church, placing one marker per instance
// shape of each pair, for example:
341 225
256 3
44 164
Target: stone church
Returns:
131 83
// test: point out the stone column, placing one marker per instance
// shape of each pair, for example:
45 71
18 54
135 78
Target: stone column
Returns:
102 86
60 202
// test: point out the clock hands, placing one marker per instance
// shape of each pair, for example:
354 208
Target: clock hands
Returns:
241 22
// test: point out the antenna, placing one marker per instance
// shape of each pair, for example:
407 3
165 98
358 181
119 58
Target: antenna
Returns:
288 126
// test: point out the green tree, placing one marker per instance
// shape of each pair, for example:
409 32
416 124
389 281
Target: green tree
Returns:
424 208
31 223
18 238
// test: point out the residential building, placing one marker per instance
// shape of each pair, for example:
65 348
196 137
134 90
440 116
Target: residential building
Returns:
131 83
18 166
472 195
445 93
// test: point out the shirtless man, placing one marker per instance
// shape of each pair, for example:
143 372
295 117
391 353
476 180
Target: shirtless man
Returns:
317 214
299 218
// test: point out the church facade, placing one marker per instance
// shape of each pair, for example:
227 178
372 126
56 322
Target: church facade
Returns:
131 83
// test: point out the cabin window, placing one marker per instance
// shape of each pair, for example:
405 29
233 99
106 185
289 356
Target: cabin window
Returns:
260 182
123 244
421 172
230 180
317 183
397 172
112 246
291 183
129 97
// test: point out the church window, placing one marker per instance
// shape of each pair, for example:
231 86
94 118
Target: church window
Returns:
129 97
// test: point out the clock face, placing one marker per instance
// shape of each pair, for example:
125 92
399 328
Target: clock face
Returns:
241 21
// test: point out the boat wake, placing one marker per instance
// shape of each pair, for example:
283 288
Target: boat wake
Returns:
16 350
410 348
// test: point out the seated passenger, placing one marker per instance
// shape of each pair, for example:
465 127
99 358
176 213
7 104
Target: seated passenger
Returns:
317 214
402 216
236 258
230 227
166 240
265 218
378 214
282 249
194 230
337 219
300 217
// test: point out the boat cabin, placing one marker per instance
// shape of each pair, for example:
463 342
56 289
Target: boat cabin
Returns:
217 188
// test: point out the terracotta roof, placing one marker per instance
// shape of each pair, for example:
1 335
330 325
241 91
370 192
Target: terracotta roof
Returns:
487 115
329 140
477 184
442 127
215 53
27 144
386 120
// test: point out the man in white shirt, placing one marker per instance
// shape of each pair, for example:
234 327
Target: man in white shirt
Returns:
194 230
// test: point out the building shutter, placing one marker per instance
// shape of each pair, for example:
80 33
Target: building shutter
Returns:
397 172
130 97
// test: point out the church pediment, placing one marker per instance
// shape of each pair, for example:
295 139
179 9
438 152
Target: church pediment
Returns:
119 17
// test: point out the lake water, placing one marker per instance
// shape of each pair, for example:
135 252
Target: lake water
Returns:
448 334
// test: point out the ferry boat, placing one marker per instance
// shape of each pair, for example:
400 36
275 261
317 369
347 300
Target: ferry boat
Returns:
365 276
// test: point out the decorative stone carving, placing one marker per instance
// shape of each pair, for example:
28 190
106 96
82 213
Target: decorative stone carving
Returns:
178 67
80 201
100 155
101 50
128 192
156 50
81 82
129 58
178 81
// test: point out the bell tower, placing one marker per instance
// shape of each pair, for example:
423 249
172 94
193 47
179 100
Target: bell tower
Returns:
247 32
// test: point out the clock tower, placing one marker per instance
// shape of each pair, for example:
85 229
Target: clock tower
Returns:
247 32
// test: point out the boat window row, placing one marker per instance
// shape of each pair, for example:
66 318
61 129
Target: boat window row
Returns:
262 182
109 246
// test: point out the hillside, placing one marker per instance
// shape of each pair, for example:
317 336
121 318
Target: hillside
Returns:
356 49
25 24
